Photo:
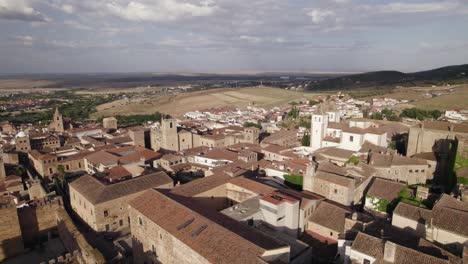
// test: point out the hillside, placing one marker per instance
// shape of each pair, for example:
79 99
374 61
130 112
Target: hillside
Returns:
390 79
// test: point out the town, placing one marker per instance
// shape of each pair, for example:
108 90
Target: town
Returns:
333 179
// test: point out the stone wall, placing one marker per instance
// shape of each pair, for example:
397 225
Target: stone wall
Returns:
11 241
75 241
38 221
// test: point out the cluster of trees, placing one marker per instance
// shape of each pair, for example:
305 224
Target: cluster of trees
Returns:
389 114
305 141
294 113
134 120
252 124
420 114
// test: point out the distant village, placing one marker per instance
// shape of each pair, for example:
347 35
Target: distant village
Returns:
306 182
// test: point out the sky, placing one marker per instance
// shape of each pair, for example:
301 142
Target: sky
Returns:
224 36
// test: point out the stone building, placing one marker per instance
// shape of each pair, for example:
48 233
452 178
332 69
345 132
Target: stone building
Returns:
22 142
370 249
139 136
11 240
284 138
109 122
344 185
444 224
165 230
434 137
401 169
43 141
169 137
45 164
104 206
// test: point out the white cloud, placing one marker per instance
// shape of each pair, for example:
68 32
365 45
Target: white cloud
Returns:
160 11
25 40
402 8
20 10
320 15
250 39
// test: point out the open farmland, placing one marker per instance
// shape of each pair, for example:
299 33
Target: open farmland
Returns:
179 104
458 99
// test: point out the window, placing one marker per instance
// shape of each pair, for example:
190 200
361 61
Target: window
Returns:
366 261
68 167
422 170
411 171
281 218
336 191
416 171
351 138
79 165
160 236
106 213
107 227
140 221
51 171
121 222
331 233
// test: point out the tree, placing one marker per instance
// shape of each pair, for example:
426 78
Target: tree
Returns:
313 102
305 140
252 124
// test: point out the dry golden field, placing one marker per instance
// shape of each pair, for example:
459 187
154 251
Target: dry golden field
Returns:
177 105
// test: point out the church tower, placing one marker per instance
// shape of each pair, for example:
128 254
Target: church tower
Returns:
57 122
318 128
169 138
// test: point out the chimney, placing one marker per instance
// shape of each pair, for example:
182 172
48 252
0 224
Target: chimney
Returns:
389 252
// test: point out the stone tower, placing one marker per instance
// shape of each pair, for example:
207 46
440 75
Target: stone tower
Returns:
308 184
2 168
169 138
57 122
252 135
22 142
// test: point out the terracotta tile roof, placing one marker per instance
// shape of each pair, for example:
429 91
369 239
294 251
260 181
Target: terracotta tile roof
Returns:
426 156
117 173
213 240
36 154
337 125
199 186
445 126
332 139
97 192
451 215
413 212
374 247
385 189
335 152
251 185
386 160
330 216
367 146
220 154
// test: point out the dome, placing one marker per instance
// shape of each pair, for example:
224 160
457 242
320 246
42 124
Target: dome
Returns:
21 134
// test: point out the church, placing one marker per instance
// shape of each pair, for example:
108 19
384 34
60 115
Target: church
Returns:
328 131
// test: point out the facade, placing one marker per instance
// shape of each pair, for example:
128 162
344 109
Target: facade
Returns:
44 164
104 206
109 123
344 185
401 169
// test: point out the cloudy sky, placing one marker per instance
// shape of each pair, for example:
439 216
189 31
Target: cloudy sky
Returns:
231 35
